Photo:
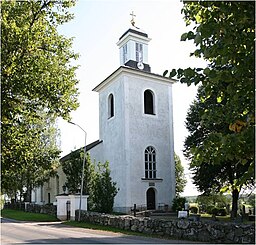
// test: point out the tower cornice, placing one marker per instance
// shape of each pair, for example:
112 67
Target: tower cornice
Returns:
132 71
136 35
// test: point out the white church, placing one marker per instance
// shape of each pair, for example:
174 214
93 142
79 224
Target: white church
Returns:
135 131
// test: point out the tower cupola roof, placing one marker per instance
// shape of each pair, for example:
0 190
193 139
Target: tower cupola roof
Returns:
133 48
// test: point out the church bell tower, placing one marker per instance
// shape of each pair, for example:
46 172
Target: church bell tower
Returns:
136 128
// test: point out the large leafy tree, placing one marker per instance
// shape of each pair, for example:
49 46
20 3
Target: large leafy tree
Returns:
38 84
212 173
35 59
223 33
37 159
34 159
179 176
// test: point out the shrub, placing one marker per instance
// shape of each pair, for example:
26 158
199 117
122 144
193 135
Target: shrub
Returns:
209 209
222 212
219 211
178 203
104 189
215 211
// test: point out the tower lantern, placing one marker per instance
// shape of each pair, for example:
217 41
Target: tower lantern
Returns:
133 48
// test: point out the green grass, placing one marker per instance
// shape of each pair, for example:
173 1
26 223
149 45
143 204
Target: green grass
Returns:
220 218
25 216
226 218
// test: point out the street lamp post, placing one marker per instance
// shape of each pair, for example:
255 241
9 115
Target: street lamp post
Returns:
82 180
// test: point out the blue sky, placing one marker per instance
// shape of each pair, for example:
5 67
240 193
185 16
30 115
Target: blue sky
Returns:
96 29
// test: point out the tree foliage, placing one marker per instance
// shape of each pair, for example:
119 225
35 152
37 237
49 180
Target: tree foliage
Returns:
38 84
205 147
179 176
178 203
98 183
72 168
36 61
35 158
251 200
213 200
104 189
221 141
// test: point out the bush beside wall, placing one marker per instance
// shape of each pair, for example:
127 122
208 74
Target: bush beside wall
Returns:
213 232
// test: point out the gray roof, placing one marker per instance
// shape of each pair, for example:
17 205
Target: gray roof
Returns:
88 147
135 31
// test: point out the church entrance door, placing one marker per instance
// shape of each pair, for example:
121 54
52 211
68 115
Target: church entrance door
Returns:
151 199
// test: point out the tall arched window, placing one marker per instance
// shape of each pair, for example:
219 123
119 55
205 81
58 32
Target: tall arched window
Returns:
110 106
149 102
150 163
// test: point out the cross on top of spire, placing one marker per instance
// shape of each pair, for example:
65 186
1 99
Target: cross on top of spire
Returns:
132 20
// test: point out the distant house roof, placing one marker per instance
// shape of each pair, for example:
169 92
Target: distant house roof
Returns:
88 147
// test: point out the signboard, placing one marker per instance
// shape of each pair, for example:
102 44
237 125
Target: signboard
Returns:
182 214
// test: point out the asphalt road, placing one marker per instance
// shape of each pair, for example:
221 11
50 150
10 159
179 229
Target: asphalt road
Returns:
13 232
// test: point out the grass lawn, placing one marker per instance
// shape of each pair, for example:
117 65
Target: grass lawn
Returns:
224 219
220 218
205 217
25 216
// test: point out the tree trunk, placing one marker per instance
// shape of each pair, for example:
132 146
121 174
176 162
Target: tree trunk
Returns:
28 196
21 194
235 196
28 193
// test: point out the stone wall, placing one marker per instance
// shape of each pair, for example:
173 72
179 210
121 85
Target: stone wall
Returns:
15 205
203 231
43 209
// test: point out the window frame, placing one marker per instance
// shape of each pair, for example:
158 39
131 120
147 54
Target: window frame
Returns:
111 106
150 163
138 51
149 109
125 53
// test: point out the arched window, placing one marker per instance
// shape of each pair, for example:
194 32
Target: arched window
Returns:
149 102
110 106
150 163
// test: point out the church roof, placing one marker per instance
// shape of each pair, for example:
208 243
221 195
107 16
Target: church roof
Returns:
132 71
135 33
88 147
135 30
